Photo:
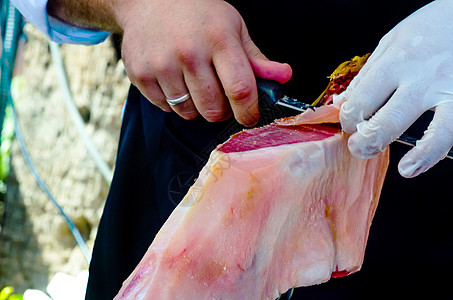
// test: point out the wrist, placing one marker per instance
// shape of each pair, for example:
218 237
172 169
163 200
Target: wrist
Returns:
124 12
89 14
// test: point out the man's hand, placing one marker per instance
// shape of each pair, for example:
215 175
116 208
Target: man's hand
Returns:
175 47
171 48
410 72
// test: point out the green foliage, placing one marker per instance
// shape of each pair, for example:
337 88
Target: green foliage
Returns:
4 294
7 294
5 148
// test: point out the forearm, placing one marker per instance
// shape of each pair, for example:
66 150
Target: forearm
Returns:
99 14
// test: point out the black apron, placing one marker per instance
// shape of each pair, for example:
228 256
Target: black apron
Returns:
410 246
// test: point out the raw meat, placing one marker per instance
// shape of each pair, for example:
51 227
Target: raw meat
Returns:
276 207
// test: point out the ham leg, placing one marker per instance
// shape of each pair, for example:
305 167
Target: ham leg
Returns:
281 206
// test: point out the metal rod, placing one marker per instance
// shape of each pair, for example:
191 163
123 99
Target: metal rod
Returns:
290 106
410 141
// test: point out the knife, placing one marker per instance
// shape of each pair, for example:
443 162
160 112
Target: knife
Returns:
271 93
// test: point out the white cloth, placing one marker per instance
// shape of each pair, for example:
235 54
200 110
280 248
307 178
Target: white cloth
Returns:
35 12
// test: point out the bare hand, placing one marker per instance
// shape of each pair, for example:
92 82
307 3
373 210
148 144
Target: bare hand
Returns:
174 47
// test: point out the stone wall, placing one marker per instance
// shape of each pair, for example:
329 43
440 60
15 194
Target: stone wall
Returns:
34 241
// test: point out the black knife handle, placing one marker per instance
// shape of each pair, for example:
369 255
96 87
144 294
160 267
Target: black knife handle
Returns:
269 92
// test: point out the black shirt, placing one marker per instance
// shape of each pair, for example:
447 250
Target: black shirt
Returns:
410 245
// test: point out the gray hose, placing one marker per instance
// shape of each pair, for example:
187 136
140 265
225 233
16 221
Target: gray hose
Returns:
13 24
75 116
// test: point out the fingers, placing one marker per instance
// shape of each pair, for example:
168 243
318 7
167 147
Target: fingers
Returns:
395 117
193 72
218 71
374 135
434 146
238 80
263 67
152 91
172 78
368 91
173 86
205 87
237 61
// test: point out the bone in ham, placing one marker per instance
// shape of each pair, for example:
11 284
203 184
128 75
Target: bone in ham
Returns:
276 207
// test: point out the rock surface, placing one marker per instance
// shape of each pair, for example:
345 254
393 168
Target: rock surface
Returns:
34 240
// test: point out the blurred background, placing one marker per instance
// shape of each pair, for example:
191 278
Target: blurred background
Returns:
35 241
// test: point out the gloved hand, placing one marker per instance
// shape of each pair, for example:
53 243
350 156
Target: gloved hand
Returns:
410 72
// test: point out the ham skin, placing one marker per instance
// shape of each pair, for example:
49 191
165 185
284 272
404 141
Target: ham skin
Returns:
281 206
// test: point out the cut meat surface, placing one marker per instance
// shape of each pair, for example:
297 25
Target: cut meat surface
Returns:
274 135
281 206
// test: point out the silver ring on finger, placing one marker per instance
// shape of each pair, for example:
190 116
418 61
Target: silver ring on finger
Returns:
178 100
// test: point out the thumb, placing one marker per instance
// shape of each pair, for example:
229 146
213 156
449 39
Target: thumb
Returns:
261 65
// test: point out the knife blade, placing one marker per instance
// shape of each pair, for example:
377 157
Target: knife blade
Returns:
271 93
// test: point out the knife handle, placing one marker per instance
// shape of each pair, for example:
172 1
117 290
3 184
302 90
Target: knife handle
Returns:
269 92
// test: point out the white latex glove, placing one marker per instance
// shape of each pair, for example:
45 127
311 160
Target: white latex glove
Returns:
410 72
